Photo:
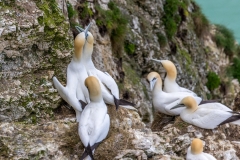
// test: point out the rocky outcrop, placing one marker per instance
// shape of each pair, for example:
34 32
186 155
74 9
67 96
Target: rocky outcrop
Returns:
36 43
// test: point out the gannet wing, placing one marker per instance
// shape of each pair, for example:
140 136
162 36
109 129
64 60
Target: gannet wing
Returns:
187 90
209 118
61 89
218 106
109 82
209 157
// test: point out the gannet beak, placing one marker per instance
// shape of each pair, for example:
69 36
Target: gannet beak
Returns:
178 106
156 60
86 30
79 29
152 83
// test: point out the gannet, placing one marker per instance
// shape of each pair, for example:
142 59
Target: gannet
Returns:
195 151
106 81
94 122
163 101
206 117
75 89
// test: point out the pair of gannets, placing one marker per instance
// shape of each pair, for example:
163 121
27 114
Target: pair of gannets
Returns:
75 91
94 122
162 101
195 151
207 116
170 84
107 83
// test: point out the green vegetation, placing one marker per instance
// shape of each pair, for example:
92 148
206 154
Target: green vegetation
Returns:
234 70
129 47
213 81
201 23
171 18
71 11
224 38
115 23
161 39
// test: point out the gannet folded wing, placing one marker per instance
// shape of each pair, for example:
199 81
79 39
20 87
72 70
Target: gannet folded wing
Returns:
208 118
218 106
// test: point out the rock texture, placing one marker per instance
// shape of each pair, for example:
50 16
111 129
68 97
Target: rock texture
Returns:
36 43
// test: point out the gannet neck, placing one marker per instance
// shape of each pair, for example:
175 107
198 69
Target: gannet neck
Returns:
190 103
90 38
94 89
158 84
196 146
170 68
78 45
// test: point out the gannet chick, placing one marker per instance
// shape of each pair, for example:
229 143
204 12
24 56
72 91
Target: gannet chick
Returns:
94 122
163 101
106 81
75 89
206 117
195 151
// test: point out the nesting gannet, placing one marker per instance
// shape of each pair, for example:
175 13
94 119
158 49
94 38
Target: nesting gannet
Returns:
195 151
163 101
75 89
205 117
106 81
94 122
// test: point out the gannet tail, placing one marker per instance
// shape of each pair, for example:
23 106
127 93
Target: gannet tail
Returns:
209 101
123 103
235 119
60 88
83 104
85 153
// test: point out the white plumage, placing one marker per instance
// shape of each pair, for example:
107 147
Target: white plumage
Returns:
208 117
170 84
76 74
95 122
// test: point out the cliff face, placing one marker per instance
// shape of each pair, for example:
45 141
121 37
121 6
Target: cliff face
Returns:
36 43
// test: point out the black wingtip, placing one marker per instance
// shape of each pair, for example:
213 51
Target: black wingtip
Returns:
85 154
124 102
233 118
116 102
210 101
83 104
88 151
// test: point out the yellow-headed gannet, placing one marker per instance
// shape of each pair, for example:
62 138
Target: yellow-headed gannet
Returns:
163 101
106 81
94 122
206 117
195 151
75 89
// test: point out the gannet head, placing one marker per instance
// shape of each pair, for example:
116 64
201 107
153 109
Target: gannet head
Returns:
94 88
152 78
190 103
88 35
78 45
170 68
196 146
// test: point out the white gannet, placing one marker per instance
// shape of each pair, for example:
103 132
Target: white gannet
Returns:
206 117
195 151
163 101
106 81
75 89
170 84
94 122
